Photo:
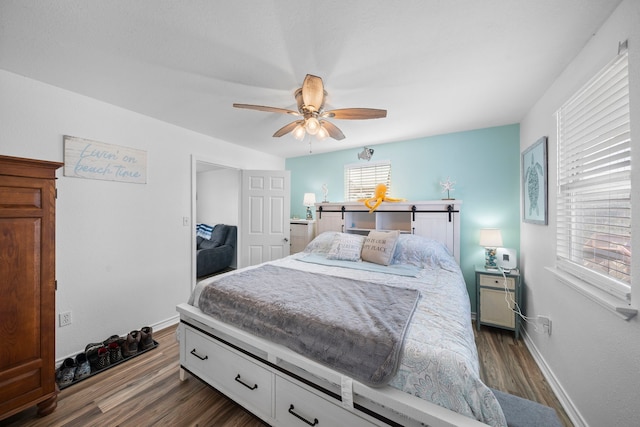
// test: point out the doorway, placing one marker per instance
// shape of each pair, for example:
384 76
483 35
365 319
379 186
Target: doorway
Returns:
215 200
217 193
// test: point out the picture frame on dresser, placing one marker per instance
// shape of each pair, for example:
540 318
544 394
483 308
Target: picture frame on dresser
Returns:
535 183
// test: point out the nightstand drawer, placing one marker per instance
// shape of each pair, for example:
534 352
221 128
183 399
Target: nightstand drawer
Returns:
497 281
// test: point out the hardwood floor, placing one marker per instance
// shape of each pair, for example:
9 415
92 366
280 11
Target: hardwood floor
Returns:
507 365
146 391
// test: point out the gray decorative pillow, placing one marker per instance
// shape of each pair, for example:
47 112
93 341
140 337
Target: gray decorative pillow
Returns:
219 234
346 247
379 246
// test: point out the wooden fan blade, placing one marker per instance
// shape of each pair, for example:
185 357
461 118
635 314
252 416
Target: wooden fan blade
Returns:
313 92
332 130
267 109
287 128
355 114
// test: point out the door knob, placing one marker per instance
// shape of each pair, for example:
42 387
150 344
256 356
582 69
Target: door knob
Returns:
285 239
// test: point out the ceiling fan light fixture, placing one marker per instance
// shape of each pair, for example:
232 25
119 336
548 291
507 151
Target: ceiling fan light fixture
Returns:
322 133
312 125
299 132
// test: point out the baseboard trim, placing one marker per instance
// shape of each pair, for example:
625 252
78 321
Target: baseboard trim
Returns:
563 397
171 321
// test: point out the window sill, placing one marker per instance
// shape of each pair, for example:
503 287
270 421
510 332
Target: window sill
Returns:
611 303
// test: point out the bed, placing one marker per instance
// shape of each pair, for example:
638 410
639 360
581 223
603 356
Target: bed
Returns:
430 378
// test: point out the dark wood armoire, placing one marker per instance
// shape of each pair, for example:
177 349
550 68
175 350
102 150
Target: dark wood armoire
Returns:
27 285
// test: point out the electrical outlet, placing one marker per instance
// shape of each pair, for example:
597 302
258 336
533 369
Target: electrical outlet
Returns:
65 318
546 323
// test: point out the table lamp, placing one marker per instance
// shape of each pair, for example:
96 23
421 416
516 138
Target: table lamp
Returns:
308 201
490 238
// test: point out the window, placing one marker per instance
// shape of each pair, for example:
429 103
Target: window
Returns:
594 182
360 181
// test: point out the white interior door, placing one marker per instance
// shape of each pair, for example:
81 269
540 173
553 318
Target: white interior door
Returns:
265 209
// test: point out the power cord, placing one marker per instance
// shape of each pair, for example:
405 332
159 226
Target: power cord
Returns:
515 307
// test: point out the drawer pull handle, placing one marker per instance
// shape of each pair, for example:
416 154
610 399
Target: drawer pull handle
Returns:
315 420
195 353
255 386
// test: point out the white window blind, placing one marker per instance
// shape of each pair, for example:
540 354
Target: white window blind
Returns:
594 182
360 180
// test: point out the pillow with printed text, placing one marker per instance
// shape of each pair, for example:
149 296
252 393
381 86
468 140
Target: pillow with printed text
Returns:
379 246
346 247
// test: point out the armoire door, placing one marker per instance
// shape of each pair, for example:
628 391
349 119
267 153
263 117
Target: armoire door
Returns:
27 287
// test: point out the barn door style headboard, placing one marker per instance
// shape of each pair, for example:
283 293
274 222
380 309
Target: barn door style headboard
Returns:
436 219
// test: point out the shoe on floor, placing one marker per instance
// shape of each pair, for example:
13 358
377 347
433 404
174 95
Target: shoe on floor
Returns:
66 372
112 338
115 352
146 338
131 344
103 358
83 368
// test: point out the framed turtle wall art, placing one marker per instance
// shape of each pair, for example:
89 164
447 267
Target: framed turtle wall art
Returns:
535 183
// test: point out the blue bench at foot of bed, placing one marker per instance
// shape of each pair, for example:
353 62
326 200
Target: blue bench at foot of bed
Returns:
521 412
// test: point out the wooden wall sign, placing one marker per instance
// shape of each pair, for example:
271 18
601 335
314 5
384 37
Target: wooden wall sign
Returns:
88 159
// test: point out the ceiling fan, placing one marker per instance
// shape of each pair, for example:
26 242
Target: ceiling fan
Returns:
310 99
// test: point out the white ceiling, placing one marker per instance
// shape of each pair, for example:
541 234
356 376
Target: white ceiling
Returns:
437 66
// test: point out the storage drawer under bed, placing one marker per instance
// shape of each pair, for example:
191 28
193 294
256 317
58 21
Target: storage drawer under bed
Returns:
297 407
229 371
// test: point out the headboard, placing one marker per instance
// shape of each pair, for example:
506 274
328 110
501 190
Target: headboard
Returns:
435 219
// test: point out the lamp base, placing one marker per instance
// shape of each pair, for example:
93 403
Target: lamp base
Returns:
490 259
309 215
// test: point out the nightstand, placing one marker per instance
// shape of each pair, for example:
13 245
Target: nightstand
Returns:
493 309
302 232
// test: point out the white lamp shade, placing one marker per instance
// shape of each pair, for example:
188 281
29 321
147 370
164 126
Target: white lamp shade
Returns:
490 238
309 199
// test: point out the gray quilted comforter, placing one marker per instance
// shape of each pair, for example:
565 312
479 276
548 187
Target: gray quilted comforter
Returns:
354 327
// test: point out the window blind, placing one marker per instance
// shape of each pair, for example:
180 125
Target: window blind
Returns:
594 182
360 180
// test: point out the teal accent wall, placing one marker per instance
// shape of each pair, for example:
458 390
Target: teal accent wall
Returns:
484 163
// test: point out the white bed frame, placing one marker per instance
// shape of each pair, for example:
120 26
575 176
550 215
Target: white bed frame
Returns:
284 388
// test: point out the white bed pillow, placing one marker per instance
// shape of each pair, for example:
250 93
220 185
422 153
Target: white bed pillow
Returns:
421 252
379 246
322 242
346 247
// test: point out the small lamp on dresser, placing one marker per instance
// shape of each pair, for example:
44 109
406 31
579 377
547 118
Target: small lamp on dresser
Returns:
491 239
308 201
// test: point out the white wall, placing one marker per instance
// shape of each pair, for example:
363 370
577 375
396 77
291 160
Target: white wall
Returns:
218 197
123 254
593 355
